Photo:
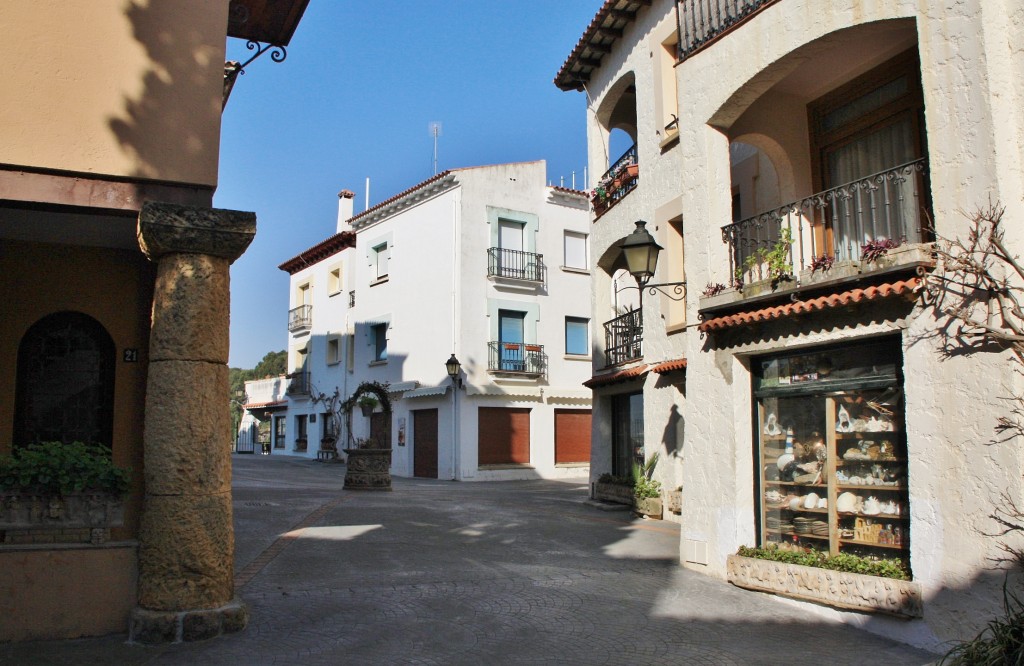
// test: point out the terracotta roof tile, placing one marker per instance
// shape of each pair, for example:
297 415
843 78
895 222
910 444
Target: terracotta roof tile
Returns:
616 377
669 366
319 252
907 288
264 405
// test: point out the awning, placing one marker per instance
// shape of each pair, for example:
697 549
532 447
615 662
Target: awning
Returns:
669 366
279 404
557 394
510 391
617 377
426 391
398 387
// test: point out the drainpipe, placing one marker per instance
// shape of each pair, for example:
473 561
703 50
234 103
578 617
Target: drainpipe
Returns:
456 264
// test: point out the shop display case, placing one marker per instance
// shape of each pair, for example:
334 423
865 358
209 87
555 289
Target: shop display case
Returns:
832 453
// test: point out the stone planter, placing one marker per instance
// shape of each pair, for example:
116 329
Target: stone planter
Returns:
20 511
674 501
368 469
649 507
613 492
838 589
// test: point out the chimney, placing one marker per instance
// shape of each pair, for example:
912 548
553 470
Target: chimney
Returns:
345 203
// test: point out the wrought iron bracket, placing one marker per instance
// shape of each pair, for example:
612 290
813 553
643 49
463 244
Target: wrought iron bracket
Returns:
678 288
277 53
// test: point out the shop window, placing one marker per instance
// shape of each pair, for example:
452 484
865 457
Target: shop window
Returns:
300 432
65 389
832 454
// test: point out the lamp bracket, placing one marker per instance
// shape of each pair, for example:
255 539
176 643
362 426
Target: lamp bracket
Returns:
678 289
277 53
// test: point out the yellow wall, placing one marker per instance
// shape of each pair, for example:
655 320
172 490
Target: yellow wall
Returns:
48 594
115 287
113 87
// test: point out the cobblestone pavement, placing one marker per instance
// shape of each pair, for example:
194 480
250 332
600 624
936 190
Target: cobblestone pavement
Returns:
438 572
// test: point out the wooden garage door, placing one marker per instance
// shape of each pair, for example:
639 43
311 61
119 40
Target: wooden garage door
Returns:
424 443
572 436
504 436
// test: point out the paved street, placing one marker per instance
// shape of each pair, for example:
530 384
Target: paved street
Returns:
439 572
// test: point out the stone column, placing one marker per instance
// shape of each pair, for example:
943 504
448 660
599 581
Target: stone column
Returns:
186 541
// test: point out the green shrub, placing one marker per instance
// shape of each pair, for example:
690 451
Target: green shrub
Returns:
886 568
646 488
58 468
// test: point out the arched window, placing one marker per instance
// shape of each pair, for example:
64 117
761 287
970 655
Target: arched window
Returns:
65 389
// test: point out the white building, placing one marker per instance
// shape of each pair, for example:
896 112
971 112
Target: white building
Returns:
488 264
263 424
843 124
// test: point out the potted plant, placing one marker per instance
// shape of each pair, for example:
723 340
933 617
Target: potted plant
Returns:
367 403
617 489
52 484
647 491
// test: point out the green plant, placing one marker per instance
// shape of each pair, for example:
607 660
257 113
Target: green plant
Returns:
775 259
368 401
616 480
847 562
644 486
58 468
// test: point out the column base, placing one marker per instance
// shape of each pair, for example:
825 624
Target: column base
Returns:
158 627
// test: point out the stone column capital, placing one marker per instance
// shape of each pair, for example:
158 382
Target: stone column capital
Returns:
166 228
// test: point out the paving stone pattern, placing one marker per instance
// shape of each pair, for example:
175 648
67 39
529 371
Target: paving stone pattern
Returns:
439 572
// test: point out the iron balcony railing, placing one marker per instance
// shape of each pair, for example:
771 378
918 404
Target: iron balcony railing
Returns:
701 21
618 181
300 318
298 383
517 358
515 264
836 223
623 338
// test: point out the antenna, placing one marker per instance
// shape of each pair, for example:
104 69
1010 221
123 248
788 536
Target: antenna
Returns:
435 131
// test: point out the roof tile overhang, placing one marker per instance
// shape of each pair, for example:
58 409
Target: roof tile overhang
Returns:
669 366
626 375
908 288
278 404
597 41
270 21
319 252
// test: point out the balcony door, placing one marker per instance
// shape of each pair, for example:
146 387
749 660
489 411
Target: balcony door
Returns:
510 340
861 132
511 246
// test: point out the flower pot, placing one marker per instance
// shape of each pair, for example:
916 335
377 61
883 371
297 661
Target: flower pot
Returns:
649 507
632 171
674 501
613 492
367 410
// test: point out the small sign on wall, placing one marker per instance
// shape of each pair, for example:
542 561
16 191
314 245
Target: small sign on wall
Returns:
401 431
131 356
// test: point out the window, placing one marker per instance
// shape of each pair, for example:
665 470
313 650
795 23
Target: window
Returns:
576 250
65 389
379 338
577 340
833 454
333 351
300 432
380 262
280 424
334 281
511 327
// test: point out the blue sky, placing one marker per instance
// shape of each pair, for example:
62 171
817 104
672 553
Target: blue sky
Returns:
354 99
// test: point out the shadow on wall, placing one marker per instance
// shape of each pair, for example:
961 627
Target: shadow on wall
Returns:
157 123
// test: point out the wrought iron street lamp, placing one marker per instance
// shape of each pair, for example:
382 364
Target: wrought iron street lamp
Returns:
641 253
453 368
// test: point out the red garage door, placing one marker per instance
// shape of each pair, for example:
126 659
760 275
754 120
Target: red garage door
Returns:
572 436
504 436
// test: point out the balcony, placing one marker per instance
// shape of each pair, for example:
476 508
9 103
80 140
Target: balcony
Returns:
515 265
851 225
623 337
298 383
300 318
517 358
616 183
702 21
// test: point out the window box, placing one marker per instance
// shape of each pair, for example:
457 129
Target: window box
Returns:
838 589
31 510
